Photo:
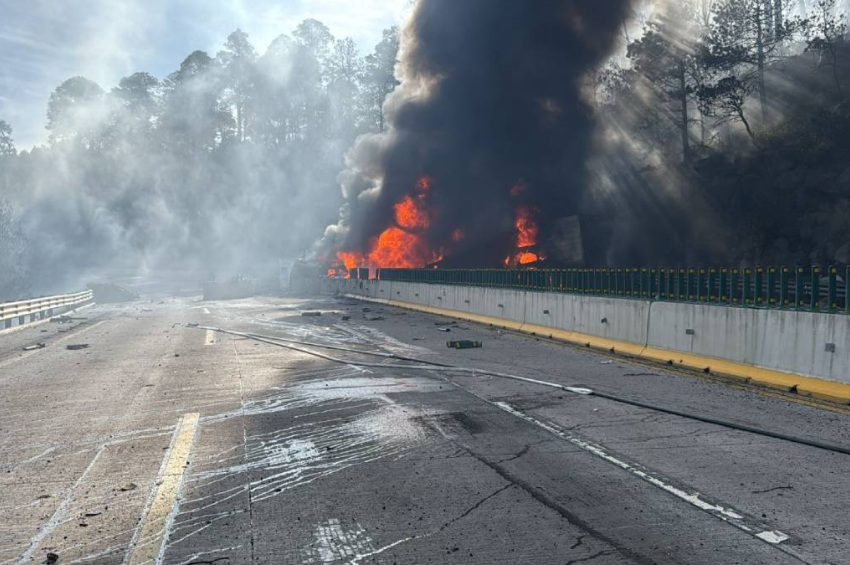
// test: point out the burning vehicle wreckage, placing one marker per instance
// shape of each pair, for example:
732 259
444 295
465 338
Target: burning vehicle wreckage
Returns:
484 161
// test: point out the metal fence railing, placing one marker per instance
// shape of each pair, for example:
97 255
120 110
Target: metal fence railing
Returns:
796 288
39 307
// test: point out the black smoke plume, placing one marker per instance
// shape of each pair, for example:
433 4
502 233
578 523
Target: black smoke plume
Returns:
491 98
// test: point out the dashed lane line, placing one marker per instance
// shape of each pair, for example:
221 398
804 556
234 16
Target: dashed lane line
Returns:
728 515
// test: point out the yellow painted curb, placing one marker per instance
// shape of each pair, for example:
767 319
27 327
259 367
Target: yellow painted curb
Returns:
789 382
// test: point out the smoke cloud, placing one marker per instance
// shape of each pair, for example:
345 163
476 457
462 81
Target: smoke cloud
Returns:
492 111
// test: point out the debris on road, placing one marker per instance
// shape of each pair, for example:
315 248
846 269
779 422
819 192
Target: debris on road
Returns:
346 318
129 487
418 339
34 347
192 325
374 318
608 362
65 319
51 559
447 330
464 344
77 346
311 314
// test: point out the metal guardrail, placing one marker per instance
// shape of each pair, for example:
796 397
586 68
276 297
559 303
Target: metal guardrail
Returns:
40 307
797 288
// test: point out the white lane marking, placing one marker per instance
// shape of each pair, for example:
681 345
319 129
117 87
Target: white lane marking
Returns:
210 338
149 542
773 536
728 515
206 310
58 515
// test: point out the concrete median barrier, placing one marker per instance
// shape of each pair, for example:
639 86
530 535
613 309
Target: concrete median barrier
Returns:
805 352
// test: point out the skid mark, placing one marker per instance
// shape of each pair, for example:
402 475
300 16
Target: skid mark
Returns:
59 515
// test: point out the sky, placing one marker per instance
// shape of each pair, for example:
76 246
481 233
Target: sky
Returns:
44 42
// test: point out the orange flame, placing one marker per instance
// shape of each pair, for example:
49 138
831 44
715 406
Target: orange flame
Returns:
402 245
527 232
526 227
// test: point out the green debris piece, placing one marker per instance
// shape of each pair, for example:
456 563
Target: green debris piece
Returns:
464 344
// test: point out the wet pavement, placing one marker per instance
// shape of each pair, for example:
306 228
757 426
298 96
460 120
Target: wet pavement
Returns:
296 458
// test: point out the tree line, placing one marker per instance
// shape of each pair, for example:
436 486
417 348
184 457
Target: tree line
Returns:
733 116
229 161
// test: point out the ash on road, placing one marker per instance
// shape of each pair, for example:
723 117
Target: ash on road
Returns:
165 442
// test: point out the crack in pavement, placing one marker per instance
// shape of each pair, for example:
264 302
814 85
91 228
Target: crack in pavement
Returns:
590 557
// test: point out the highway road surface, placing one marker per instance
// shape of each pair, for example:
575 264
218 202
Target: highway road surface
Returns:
158 440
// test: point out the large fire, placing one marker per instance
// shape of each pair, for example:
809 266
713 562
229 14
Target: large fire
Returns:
527 233
402 245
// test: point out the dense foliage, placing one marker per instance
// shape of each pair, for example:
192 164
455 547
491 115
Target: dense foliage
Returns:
730 120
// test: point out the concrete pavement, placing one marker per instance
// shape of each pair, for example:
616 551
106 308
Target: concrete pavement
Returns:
297 459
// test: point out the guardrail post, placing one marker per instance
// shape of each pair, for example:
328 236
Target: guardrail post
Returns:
833 289
653 284
798 288
771 287
746 287
784 274
758 287
724 275
689 285
814 299
712 285
734 288
847 290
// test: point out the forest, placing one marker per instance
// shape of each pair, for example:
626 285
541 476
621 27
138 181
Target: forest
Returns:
226 163
725 126
722 129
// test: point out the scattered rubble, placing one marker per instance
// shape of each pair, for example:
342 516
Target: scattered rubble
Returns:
51 558
65 319
77 346
34 347
374 318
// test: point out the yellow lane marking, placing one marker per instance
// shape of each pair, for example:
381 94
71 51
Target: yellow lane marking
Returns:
210 338
149 543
